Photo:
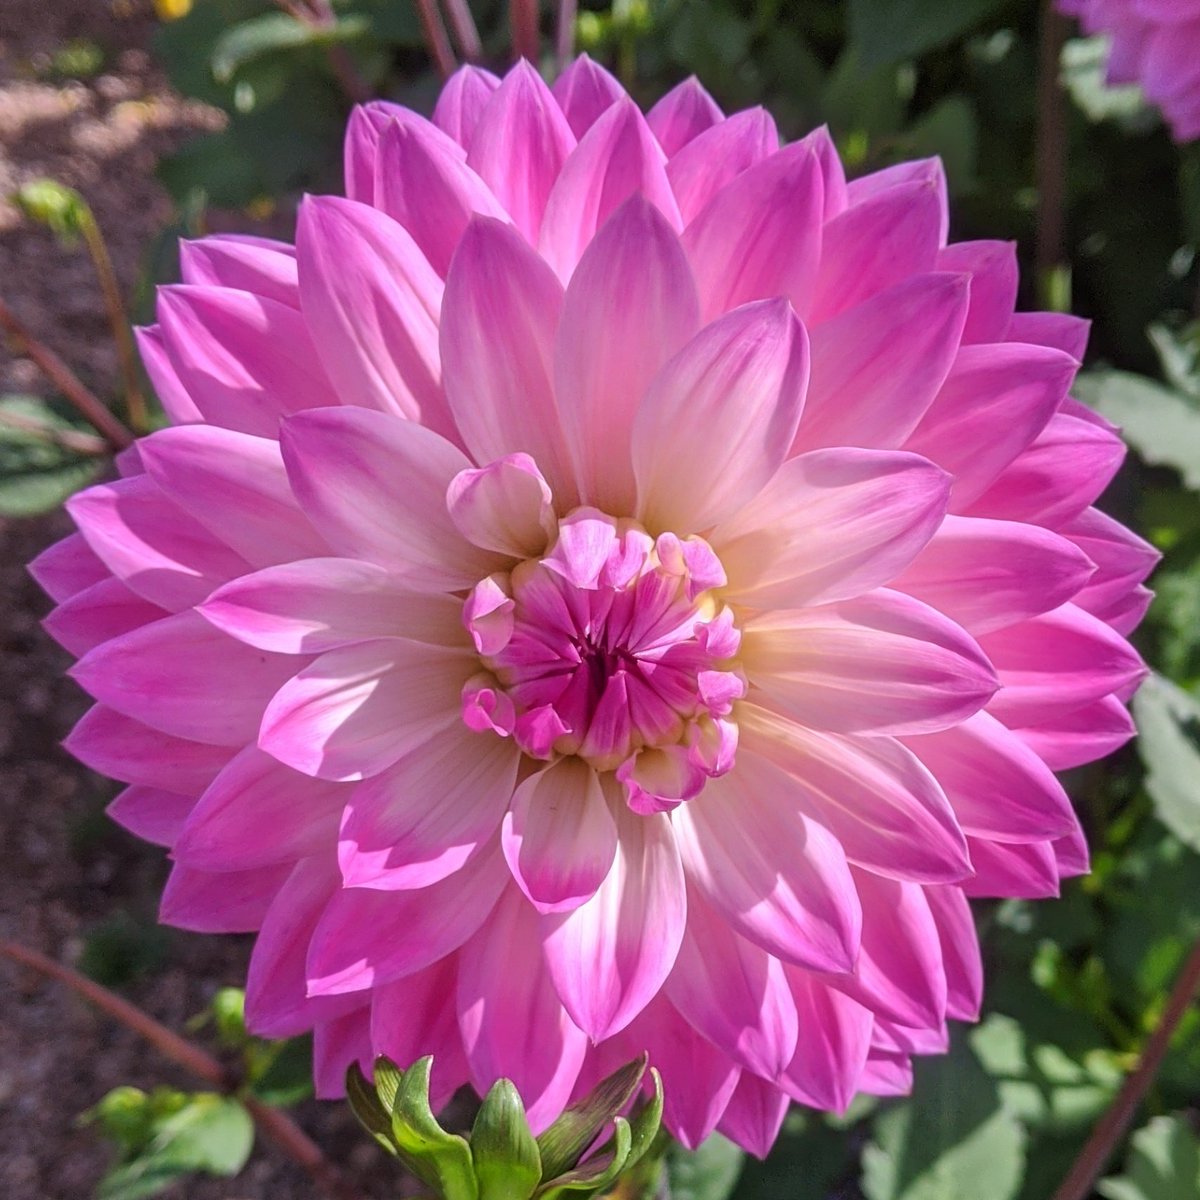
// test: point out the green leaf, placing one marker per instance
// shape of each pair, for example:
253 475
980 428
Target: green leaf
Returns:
710 1172
646 1121
1163 425
569 1136
366 1106
1168 720
503 1148
954 1139
275 31
280 1073
441 1159
1083 67
599 1171
37 475
886 31
1163 1164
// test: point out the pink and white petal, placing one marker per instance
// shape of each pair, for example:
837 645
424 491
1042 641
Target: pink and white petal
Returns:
171 393
257 813
244 360
559 837
928 171
513 1023
367 123
634 282
834 1040
609 956
235 485
684 113
224 902
67 568
882 663
995 277
760 235
617 158
892 353
237 260
118 746
105 610
837 198
462 100
998 788
366 937
1025 872
717 156
518 146
584 91
780 879
1057 662
375 486
151 544
336 1044
884 807
354 711
754 1114
1063 331
371 299
425 816
831 524
319 604
185 678
1122 559
960 951
1080 736
499 319
876 243
431 192
727 405
151 814
988 574
733 992
505 507
994 403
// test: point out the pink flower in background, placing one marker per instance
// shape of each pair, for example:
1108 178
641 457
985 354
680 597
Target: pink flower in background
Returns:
1153 43
613 585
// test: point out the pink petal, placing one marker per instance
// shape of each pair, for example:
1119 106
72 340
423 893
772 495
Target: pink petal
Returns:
886 810
635 282
423 818
1026 872
685 112
371 299
1071 857
886 1074
999 789
228 902
927 171
367 123
609 956
150 814
355 711
584 91
375 486
1122 558
519 144
960 951
250 264
733 992
882 663
835 1037
462 100
105 610
67 568
617 158
1061 330
778 878
256 813
244 360
994 274
513 1024
892 353
830 525
505 507
498 323
181 676
336 1044
171 393
1081 736
754 1115
319 604
727 405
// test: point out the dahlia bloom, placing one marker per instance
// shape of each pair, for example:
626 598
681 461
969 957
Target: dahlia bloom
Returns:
1155 44
613 585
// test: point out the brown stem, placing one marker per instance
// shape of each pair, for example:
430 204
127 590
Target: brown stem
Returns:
319 14
1051 152
1111 1127
466 32
564 40
523 20
435 37
86 402
68 439
273 1122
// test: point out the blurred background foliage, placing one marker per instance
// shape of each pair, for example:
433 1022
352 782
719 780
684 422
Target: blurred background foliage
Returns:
1074 986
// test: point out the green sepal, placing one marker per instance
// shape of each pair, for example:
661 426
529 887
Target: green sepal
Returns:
367 1107
646 1121
440 1159
573 1132
600 1171
508 1165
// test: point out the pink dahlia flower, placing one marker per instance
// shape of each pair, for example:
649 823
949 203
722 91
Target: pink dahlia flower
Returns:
1153 43
613 585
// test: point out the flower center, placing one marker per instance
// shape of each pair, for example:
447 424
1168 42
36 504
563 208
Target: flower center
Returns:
615 648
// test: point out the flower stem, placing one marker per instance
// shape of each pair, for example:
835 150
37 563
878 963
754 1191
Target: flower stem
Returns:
466 32
1111 1127
564 43
436 38
319 14
523 22
277 1125
86 402
69 439
1053 271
